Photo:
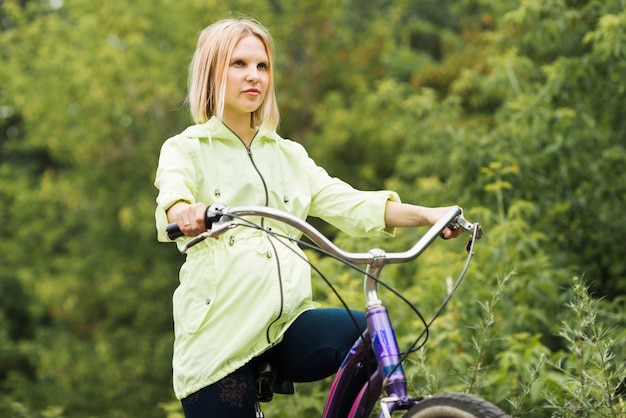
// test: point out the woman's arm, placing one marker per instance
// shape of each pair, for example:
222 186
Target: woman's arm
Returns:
406 215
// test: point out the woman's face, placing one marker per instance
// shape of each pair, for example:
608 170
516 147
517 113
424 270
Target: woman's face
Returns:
247 78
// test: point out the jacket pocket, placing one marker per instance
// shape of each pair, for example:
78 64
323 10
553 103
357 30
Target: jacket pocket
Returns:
193 299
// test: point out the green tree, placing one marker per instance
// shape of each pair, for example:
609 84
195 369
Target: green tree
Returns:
559 93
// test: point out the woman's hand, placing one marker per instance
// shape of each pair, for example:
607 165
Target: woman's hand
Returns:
447 233
189 217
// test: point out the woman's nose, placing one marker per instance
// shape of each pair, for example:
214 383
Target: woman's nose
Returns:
253 75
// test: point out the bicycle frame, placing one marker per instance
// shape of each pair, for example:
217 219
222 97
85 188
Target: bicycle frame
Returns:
388 377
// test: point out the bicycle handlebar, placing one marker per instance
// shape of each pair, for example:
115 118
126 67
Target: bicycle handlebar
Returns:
220 218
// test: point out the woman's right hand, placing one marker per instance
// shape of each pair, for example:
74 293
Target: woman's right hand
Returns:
189 217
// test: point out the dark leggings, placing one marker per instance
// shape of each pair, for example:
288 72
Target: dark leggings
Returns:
312 349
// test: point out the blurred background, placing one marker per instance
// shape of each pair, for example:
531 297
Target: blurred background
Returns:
514 110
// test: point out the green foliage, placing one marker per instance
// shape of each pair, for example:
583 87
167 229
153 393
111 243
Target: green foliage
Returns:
589 371
514 110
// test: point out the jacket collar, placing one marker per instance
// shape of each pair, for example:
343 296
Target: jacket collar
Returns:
216 129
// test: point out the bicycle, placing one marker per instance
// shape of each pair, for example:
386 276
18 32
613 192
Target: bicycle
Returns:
387 384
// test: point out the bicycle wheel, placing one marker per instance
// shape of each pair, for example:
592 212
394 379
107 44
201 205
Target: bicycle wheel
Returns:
455 405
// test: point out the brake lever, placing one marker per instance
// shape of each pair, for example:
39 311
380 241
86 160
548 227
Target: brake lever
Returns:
461 222
474 228
468 226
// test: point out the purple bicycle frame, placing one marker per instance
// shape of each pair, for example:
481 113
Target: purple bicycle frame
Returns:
381 338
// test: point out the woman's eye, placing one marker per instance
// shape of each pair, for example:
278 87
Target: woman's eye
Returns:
262 65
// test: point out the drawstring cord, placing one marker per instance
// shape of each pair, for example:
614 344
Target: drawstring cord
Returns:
216 192
282 172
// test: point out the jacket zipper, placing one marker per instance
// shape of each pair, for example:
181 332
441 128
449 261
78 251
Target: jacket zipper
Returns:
280 279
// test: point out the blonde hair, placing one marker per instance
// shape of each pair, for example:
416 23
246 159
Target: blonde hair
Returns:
209 67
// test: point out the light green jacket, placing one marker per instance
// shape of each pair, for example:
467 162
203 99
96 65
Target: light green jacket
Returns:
238 294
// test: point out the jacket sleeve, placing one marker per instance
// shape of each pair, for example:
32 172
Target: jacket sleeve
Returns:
174 179
358 213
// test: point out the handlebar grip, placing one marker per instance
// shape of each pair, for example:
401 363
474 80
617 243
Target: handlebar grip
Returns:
213 214
173 231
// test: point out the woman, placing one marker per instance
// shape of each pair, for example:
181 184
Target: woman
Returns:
241 297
